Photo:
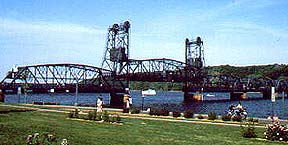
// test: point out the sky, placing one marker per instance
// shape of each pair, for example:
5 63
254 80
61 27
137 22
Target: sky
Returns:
235 32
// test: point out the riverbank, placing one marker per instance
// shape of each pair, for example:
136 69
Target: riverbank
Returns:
133 129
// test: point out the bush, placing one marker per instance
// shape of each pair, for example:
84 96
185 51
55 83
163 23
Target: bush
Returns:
126 110
105 116
92 115
188 114
200 116
176 114
135 111
249 131
74 113
39 139
237 118
212 116
276 132
118 118
252 120
226 117
162 112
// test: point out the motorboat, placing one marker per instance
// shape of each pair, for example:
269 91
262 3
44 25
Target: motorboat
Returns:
210 95
149 92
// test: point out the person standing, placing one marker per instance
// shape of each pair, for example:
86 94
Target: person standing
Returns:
130 101
128 104
100 105
2 97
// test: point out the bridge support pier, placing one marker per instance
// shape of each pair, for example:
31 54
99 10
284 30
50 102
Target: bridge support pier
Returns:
266 94
190 97
116 100
238 96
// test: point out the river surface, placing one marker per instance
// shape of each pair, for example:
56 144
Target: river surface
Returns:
172 101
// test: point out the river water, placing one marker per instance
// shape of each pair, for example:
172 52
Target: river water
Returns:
173 101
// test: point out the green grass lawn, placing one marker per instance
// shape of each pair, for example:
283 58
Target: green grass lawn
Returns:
15 127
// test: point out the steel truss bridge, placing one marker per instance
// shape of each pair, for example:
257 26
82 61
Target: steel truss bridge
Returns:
118 69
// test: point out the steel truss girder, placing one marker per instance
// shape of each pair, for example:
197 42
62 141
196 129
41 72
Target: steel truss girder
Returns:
160 70
59 74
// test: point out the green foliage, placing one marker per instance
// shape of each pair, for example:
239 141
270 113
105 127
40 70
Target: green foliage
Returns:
226 117
274 71
200 116
92 115
189 114
276 132
74 113
162 86
41 139
212 116
248 130
96 116
134 111
161 112
237 118
176 114
252 119
105 116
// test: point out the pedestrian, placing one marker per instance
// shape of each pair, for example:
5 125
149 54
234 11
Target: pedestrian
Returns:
130 101
2 97
100 105
128 104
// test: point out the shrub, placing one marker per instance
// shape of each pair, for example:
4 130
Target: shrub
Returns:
74 113
105 116
135 111
237 118
162 112
39 139
189 114
126 110
152 112
176 114
226 117
276 132
92 115
118 118
249 130
212 116
200 116
252 120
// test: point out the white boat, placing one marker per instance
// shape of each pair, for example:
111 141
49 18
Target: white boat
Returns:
149 92
210 95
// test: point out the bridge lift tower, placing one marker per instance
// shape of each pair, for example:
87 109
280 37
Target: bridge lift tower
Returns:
194 59
116 55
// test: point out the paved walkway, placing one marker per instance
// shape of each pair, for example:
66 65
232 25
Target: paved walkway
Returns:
137 116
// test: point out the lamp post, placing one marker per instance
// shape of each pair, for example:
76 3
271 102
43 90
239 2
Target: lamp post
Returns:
76 93
273 98
143 96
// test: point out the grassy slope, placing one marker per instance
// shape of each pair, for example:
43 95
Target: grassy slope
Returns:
15 127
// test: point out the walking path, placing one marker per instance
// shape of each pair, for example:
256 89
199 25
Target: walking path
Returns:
138 116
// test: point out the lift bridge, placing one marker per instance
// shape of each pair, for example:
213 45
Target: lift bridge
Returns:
117 70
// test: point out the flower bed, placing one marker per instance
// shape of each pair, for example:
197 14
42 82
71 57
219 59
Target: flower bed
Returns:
276 132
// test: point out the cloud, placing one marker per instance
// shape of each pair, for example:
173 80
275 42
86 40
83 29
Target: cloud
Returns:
25 43
15 26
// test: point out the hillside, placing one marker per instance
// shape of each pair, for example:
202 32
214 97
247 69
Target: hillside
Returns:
273 72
